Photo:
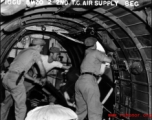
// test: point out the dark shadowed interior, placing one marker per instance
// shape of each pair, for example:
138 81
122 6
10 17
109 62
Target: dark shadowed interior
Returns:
128 33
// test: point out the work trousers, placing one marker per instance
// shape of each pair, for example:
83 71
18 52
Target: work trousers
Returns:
88 98
17 93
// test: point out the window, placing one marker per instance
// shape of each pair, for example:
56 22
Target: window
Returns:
99 47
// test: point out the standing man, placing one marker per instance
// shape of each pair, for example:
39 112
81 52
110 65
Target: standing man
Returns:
87 90
14 78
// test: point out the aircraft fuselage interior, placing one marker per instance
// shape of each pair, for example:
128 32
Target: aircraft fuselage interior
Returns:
123 31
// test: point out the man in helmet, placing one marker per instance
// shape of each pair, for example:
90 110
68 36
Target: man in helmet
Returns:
87 91
14 78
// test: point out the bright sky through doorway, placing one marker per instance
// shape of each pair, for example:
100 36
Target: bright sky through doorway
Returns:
99 47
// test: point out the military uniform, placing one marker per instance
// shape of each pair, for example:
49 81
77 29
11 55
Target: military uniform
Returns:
86 88
23 62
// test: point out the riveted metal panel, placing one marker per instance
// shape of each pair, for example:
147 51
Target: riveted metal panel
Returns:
140 79
106 7
140 106
139 87
109 23
127 42
149 79
148 52
121 54
120 33
132 53
148 66
139 29
118 11
129 19
114 27
102 18
145 40
142 96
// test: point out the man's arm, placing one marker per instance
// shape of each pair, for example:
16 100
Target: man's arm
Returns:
66 67
58 64
33 79
41 67
30 78
103 57
107 59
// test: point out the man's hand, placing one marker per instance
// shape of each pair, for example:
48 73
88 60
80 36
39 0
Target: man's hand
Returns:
62 84
37 81
66 96
66 67
99 80
65 71
2 74
43 81
40 82
34 75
